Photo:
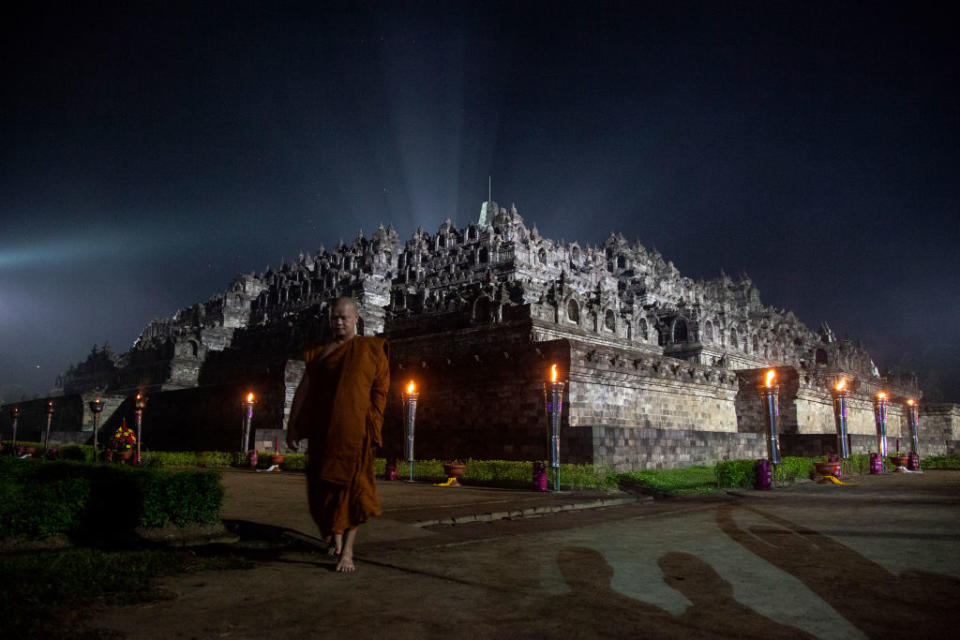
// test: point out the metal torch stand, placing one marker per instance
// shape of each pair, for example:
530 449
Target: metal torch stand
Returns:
96 406
247 419
840 417
556 411
139 415
14 418
411 411
46 433
771 402
913 419
880 411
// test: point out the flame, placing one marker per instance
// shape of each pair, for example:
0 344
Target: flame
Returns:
771 375
553 373
882 395
139 396
910 401
842 384
250 397
411 387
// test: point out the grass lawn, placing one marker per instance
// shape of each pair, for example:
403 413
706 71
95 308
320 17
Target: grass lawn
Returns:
667 482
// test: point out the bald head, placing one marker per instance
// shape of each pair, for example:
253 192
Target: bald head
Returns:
343 318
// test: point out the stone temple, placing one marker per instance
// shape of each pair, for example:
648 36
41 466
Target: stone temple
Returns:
661 369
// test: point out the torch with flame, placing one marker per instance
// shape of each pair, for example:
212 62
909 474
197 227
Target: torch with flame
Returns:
840 417
913 420
880 413
553 395
770 398
247 420
410 418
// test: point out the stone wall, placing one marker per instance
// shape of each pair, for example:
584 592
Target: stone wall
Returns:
940 427
613 387
479 397
629 448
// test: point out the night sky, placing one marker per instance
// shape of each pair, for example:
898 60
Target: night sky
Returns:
150 152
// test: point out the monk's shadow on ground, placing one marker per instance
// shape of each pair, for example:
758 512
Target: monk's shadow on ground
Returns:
266 543
878 602
593 607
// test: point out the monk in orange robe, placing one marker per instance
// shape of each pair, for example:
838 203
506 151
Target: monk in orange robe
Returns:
338 407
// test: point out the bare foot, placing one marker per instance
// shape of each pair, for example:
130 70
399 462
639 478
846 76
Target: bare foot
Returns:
336 545
345 565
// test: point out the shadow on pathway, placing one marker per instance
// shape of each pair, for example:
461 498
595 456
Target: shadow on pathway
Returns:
607 613
914 604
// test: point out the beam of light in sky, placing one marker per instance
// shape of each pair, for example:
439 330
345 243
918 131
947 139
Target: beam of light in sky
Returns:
425 89
96 244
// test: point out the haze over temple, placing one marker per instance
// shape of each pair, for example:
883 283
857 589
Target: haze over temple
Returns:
662 369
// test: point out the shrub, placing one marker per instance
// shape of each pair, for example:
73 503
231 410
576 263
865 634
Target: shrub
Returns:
857 463
76 453
793 468
162 459
736 473
39 500
948 461
215 459
294 462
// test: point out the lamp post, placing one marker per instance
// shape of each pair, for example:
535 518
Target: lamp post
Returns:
96 406
46 434
770 397
140 403
555 409
840 417
247 421
410 404
880 413
14 418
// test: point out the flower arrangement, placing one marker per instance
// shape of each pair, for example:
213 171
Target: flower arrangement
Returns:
123 438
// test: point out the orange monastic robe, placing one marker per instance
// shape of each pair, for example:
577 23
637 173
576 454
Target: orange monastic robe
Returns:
339 408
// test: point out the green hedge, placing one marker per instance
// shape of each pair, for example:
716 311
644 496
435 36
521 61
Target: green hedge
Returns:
742 473
949 461
40 500
507 473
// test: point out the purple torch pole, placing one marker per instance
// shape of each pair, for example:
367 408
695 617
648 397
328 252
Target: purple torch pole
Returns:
410 403
140 403
880 413
913 419
840 417
46 434
247 420
96 406
14 418
555 407
770 396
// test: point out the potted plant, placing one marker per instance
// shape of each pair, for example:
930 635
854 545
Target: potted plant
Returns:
122 443
828 468
899 460
454 471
